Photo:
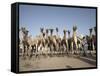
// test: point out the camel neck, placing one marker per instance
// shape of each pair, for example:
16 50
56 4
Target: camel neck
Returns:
65 36
74 33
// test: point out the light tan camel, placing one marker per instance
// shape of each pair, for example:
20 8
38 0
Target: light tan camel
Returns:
64 42
52 41
74 40
24 41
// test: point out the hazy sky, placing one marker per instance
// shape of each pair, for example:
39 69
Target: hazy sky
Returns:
33 17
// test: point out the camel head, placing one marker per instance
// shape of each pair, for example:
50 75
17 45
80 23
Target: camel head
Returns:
64 31
47 31
90 30
51 31
41 30
74 28
68 33
56 29
25 32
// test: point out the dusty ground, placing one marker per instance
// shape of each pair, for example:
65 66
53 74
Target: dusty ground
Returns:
46 63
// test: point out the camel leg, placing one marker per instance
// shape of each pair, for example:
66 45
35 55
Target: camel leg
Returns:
24 52
93 48
76 48
66 47
72 51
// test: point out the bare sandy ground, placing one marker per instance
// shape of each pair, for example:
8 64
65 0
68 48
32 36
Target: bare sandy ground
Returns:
47 63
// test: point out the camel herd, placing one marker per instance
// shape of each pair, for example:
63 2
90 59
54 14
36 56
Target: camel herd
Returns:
47 43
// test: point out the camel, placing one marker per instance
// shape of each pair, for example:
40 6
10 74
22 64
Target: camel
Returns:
69 41
64 42
47 38
74 40
41 41
52 41
80 42
58 40
27 44
24 41
92 40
